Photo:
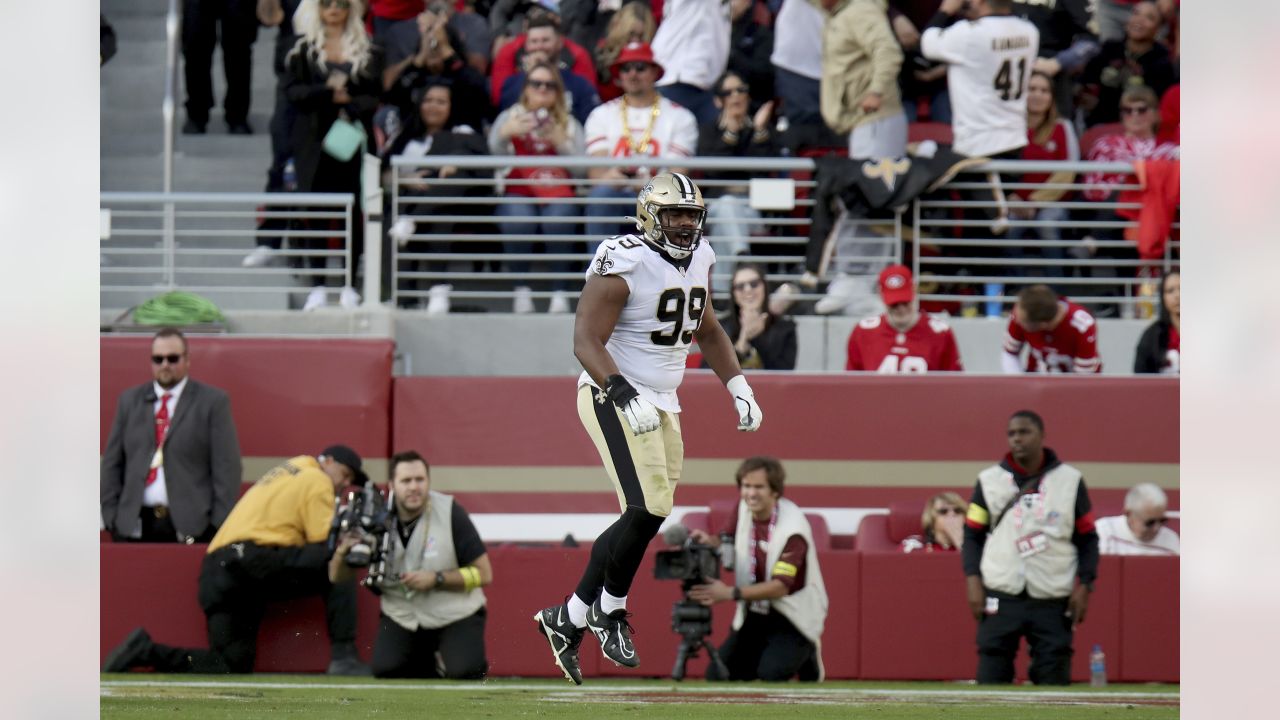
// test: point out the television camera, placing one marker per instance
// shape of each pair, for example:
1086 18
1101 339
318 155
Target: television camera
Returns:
364 513
692 564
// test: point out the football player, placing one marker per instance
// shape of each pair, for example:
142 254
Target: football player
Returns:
902 340
1063 336
646 299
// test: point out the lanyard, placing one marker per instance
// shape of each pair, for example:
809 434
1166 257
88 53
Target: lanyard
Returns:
773 523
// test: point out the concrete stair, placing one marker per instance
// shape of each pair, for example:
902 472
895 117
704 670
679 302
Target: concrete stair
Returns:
132 160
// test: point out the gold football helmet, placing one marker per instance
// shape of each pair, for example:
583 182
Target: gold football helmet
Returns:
664 193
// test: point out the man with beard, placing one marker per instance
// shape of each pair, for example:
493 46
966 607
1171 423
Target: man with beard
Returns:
431 597
171 468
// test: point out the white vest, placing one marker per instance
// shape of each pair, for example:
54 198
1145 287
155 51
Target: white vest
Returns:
1042 522
431 549
806 608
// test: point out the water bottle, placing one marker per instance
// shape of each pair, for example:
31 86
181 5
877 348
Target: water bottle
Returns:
1097 667
993 307
290 178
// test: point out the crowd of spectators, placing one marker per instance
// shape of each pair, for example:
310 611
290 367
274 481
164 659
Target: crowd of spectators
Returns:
682 77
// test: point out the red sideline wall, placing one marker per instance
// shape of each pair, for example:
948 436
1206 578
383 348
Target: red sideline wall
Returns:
891 616
486 421
288 397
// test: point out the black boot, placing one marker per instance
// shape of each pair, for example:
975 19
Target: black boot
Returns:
343 660
135 651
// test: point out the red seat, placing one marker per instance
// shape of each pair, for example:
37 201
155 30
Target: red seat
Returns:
935 131
1096 133
885 532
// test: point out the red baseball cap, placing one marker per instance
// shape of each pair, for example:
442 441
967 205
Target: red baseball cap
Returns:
895 285
635 52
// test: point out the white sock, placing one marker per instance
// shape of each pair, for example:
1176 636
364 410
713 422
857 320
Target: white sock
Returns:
609 603
577 611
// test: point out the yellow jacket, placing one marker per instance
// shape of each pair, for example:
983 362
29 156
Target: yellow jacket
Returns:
859 55
292 505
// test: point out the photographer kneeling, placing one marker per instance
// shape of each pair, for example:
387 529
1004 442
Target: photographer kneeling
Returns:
435 565
782 601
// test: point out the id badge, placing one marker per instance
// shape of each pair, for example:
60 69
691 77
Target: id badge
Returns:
993 606
1032 544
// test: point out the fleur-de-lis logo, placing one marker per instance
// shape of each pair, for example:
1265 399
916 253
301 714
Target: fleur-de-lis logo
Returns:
887 169
603 263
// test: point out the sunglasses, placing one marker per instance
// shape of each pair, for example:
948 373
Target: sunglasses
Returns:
173 359
741 90
1138 110
746 285
949 511
542 85
634 67
342 4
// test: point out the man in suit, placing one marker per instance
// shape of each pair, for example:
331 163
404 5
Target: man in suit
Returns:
171 470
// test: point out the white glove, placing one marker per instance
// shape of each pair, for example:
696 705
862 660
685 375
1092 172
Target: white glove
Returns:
641 414
749 415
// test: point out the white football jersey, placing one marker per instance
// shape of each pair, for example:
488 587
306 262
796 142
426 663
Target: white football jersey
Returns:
651 340
989 65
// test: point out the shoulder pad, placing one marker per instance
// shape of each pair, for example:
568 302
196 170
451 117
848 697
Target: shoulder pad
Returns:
618 255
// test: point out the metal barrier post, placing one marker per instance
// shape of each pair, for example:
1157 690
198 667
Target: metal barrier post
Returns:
170 90
170 246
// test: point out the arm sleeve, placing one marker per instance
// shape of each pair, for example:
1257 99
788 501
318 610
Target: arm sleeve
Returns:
951 353
854 359
977 524
317 509
886 55
1087 361
945 45
684 136
300 86
226 465
467 544
790 566
777 345
1085 537
111 478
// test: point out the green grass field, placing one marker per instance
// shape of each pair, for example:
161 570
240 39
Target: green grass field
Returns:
319 698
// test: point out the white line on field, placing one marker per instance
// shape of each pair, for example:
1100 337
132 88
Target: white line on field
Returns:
636 689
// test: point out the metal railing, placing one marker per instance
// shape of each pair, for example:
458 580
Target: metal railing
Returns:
168 109
197 242
979 250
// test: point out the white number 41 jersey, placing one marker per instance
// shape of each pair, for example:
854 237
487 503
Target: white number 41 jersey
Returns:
989 64
650 342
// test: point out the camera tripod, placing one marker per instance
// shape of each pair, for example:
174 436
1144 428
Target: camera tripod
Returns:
693 623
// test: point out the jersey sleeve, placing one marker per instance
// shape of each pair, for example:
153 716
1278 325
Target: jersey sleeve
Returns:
946 44
617 256
950 360
684 135
596 131
854 360
1014 337
1085 361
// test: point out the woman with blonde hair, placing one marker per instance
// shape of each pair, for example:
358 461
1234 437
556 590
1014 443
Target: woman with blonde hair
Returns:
538 125
633 22
333 73
941 525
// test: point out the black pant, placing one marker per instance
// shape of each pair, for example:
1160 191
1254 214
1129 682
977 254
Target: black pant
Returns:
161 530
234 589
400 653
769 647
202 22
1048 631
